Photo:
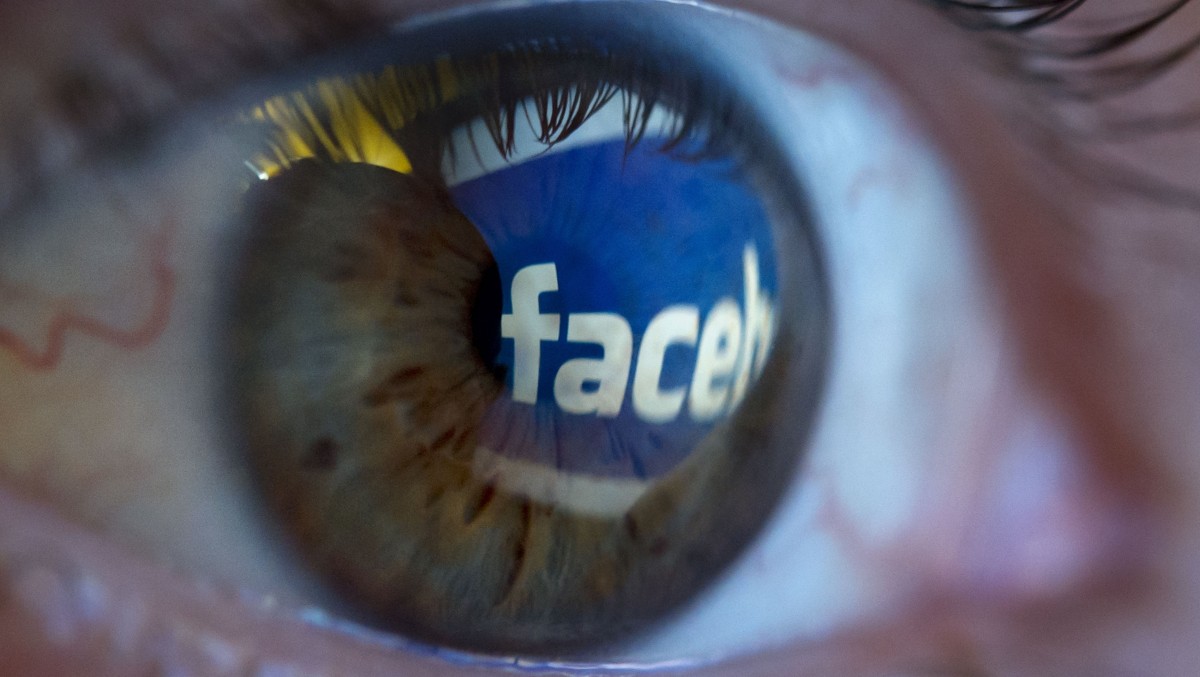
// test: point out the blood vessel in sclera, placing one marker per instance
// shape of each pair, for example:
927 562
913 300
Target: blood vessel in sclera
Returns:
62 323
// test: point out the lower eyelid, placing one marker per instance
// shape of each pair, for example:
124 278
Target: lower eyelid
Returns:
74 604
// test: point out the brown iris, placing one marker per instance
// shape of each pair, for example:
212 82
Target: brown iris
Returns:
360 374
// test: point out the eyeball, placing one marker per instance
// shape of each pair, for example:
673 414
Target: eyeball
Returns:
529 331
506 343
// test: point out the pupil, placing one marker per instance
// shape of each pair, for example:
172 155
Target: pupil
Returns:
486 309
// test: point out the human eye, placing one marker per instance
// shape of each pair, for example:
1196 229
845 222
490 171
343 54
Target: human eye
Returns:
932 418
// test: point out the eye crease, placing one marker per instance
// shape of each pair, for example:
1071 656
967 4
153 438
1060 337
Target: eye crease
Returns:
886 549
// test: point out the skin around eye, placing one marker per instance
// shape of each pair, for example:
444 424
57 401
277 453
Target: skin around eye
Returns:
966 617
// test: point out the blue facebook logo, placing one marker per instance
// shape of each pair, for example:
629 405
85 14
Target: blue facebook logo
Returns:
638 305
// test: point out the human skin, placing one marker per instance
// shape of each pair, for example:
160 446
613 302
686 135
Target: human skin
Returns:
1098 291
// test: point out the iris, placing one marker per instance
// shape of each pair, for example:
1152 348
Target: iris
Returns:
505 353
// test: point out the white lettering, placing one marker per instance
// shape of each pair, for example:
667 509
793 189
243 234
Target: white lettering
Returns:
757 335
607 377
731 350
720 344
677 325
528 327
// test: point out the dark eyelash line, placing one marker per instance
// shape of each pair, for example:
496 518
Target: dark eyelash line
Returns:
1032 53
995 15
1087 71
1104 42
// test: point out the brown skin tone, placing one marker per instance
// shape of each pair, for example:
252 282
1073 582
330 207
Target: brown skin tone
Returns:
1097 288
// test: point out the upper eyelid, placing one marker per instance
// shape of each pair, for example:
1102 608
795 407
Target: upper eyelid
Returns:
1089 67
150 72
133 72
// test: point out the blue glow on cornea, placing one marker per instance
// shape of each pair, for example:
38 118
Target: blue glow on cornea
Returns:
533 666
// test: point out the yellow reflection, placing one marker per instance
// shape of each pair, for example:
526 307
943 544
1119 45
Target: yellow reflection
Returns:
350 119
329 117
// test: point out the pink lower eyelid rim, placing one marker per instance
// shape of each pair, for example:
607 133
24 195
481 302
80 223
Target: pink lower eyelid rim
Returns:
71 603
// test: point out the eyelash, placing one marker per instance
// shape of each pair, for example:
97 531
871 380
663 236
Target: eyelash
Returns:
1085 71
148 74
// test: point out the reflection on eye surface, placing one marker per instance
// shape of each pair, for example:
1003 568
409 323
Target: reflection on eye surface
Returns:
958 494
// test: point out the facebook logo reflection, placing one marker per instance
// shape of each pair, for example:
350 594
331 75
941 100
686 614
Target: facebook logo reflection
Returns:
728 350
636 314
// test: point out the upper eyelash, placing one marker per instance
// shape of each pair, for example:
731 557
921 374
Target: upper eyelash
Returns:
1088 70
992 15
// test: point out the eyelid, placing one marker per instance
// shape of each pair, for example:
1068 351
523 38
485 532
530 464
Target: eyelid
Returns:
134 72
137 69
140 72
84 606
1094 86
